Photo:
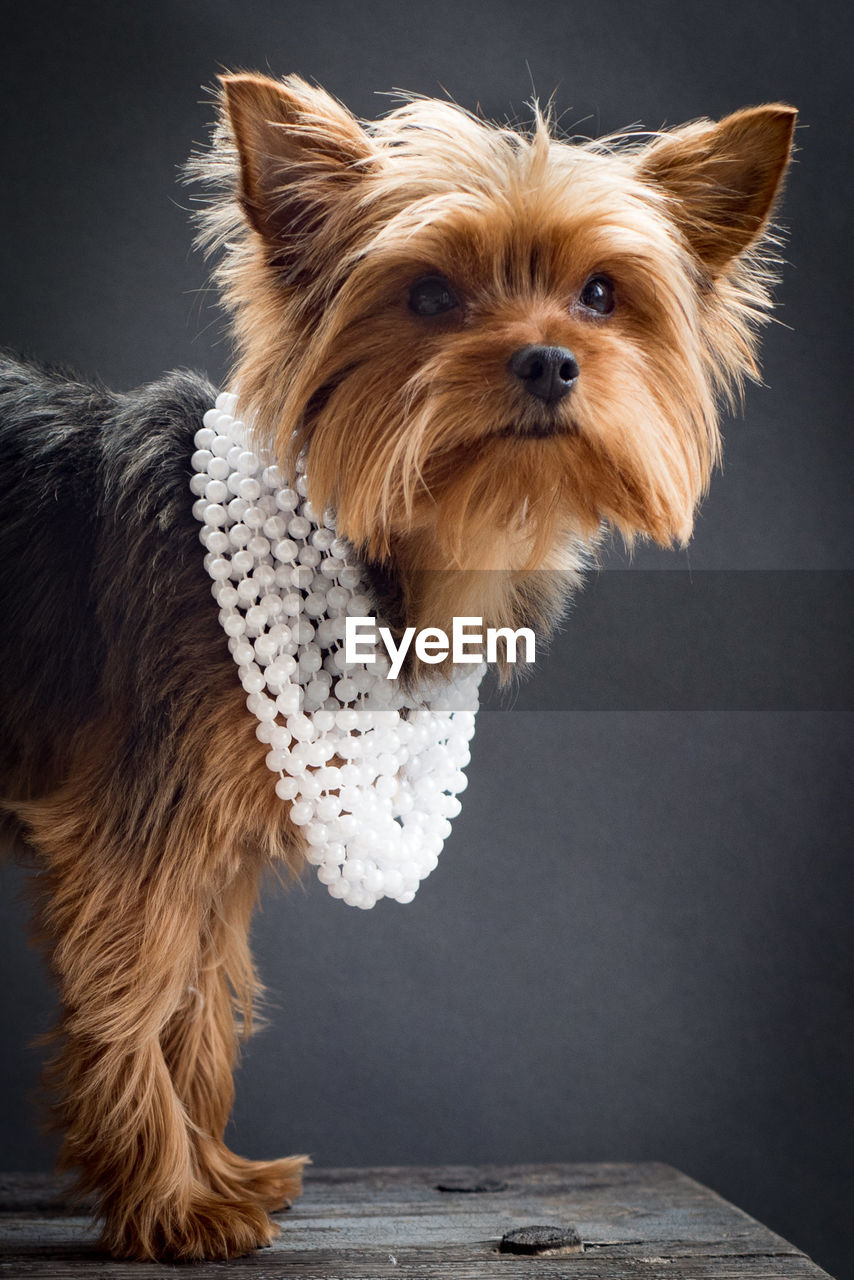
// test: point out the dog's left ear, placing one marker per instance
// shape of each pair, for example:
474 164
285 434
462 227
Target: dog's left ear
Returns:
723 178
302 156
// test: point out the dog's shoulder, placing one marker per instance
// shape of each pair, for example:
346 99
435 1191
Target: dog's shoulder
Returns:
71 439
98 527
145 450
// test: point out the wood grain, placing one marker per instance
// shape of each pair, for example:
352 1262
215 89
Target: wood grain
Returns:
636 1220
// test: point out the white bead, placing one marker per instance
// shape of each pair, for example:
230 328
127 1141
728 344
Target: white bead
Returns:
328 807
298 762
345 690
302 813
265 648
319 752
249 489
393 882
254 516
286 789
318 690
301 728
264 708
234 625
285 550
216 491
217 541
348 825
279 672
215 514
309 555
315 604
220 445
248 463
299 527
287 500
242 560
338 598
288 701
309 787
252 678
200 459
322 539
271 604
280 739
219 568
349 578
275 528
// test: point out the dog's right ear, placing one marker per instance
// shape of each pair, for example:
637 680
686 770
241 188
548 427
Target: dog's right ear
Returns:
301 155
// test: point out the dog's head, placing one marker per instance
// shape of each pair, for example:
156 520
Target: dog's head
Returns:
491 341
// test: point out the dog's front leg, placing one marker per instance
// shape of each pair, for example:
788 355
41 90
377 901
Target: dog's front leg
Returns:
143 1076
200 1045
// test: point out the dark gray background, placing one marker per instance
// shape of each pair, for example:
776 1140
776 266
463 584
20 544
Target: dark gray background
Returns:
638 942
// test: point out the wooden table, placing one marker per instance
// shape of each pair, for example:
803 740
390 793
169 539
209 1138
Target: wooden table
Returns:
636 1221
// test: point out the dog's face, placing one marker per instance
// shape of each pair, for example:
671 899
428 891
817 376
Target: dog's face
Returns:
490 342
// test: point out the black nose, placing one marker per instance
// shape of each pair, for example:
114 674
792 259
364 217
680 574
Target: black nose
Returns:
547 372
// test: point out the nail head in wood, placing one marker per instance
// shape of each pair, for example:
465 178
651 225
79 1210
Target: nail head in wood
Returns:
545 1242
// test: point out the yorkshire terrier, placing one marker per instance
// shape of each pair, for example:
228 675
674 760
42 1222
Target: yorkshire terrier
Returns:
490 344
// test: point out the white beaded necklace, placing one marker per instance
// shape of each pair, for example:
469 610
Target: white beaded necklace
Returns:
375 825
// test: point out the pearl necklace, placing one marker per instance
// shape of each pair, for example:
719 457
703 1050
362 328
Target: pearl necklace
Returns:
375 824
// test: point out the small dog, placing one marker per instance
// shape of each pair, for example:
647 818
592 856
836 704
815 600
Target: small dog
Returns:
489 344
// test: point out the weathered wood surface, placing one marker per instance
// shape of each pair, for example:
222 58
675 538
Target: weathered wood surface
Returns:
636 1220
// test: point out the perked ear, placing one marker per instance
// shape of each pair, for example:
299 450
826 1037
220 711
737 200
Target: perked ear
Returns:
300 151
723 178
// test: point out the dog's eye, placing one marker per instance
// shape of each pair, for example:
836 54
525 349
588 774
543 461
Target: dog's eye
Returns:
598 295
431 296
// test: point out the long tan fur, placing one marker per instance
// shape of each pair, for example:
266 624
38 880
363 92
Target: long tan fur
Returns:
152 811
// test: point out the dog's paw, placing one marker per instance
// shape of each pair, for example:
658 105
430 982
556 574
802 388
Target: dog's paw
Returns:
212 1228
